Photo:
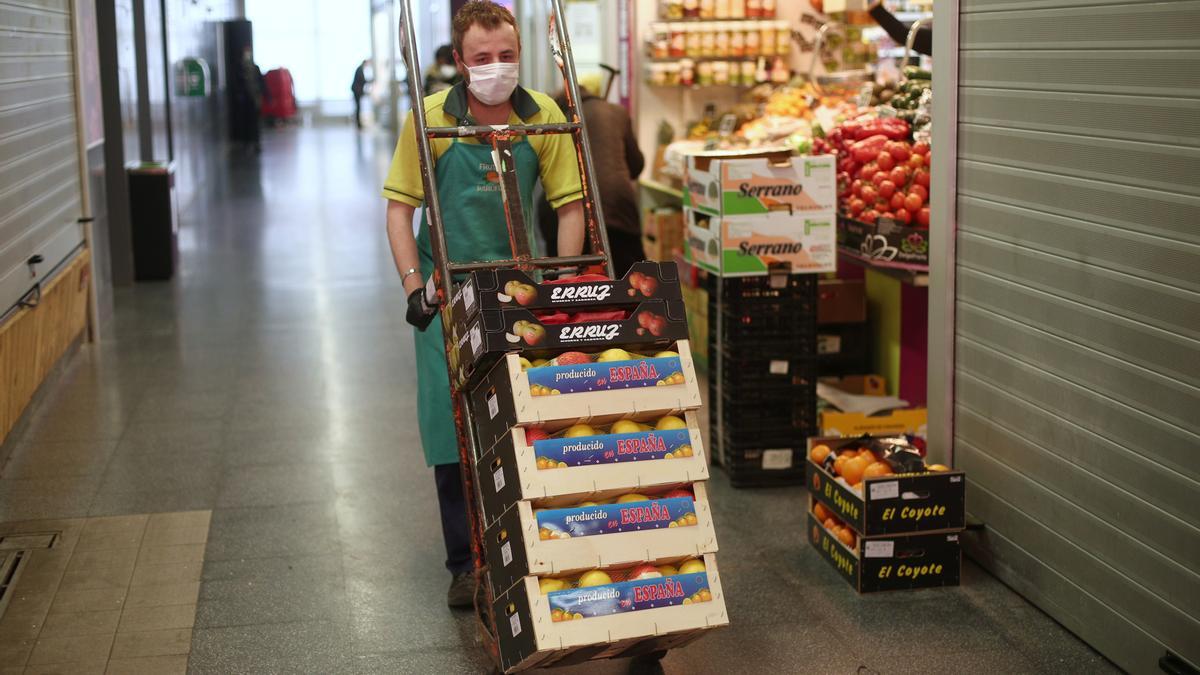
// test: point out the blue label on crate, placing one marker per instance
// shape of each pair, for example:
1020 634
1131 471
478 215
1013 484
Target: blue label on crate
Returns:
586 521
613 448
605 376
629 596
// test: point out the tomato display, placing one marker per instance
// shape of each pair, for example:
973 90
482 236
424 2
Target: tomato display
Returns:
883 174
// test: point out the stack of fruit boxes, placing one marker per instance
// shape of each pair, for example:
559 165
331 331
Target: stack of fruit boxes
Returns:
598 535
763 226
880 529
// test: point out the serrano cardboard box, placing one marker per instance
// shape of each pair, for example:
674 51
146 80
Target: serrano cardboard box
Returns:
887 505
745 212
891 563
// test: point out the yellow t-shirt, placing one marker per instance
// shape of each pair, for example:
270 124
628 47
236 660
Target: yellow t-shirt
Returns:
557 162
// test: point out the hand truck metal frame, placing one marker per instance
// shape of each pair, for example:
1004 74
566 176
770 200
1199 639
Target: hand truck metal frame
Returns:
501 138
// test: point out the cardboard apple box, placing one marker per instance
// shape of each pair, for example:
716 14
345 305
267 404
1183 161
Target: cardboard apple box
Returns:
509 471
598 393
528 635
650 326
647 531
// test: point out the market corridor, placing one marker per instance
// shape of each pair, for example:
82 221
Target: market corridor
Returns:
235 478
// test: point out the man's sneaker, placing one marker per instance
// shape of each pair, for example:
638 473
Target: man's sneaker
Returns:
462 591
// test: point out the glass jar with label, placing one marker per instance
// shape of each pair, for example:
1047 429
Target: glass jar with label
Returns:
704 74
660 40
737 39
768 9
753 9
691 9
747 68
687 73
671 74
722 9
721 41
737 9
708 40
695 44
720 74
779 72
671 9
658 74
766 37
753 38
708 9
678 46
783 38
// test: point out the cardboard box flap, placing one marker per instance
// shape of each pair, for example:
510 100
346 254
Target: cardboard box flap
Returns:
854 403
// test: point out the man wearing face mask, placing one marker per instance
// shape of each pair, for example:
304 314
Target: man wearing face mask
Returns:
486 49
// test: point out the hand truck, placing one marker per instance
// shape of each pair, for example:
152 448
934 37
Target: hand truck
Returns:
501 138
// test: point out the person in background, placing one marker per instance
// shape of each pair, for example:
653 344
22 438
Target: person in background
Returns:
616 161
247 102
443 74
898 30
359 87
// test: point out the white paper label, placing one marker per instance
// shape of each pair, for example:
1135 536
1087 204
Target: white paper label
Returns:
885 490
506 553
779 367
498 478
879 549
514 622
469 296
476 340
829 344
493 406
777 459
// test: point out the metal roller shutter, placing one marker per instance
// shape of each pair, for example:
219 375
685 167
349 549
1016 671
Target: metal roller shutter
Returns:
1077 332
39 157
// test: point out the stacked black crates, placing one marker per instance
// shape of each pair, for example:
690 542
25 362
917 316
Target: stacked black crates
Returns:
763 375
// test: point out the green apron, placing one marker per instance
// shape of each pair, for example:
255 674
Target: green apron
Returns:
473 220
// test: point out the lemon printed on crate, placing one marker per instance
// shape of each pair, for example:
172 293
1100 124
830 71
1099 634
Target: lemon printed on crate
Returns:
673 378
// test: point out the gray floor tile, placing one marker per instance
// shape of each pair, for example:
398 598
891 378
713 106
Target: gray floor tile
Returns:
43 498
275 485
272 590
313 647
265 532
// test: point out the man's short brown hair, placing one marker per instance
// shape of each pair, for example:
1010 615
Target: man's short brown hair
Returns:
483 13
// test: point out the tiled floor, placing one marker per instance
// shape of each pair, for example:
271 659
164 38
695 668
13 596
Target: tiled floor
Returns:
272 384
113 595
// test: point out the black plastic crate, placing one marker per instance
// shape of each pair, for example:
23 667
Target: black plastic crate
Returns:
746 374
768 288
779 327
844 349
765 467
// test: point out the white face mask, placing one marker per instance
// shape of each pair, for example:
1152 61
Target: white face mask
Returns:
448 71
493 83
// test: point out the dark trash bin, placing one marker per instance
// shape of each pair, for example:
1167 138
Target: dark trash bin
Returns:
153 219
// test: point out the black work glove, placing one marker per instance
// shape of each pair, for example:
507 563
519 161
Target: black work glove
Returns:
421 310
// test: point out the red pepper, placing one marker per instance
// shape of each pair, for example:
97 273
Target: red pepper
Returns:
868 148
